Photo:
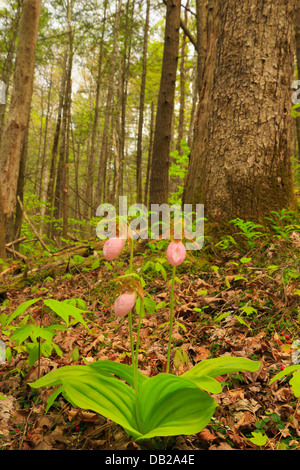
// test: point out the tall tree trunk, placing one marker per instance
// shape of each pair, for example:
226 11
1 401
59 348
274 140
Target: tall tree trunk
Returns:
61 190
141 110
159 180
297 37
201 8
101 183
240 161
150 151
2 230
129 26
20 192
17 120
91 163
53 158
182 91
44 177
7 69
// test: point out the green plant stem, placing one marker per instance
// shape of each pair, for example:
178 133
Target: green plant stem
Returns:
131 255
171 318
130 323
135 372
131 337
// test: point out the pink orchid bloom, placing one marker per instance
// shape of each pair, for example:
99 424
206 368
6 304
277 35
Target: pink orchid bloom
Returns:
125 303
176 253
113 247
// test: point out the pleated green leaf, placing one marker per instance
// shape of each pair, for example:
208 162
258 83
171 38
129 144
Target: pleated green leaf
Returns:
120 370
221 366
90 389
169 405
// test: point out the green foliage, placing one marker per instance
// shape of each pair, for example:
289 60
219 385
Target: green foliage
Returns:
178 170
36 340
163 405
294 381
249 230
283 223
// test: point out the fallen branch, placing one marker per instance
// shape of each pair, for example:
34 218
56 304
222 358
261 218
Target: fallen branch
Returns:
34 231
19 240
16 253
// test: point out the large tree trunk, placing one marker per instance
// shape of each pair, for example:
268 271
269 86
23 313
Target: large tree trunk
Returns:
297 37
159 180
240 160
8 65
17 120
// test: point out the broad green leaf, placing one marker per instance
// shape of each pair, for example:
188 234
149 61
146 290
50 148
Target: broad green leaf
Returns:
284 372
88 388
65 310
258 438
206 383
169 405
21 334
295 383
33 353
21 309
221 366
245 260
104 367
105 395
120 370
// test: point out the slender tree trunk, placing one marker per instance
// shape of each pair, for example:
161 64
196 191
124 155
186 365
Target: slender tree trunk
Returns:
124 87
61 191
44 178
2 229
240 161
159 180
101 183
91 165
16 226
17 120
53 158
141 110
150 151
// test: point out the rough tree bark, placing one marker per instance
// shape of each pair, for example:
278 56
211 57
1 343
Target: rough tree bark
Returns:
240 160
8 65
297 38
14 130
159 179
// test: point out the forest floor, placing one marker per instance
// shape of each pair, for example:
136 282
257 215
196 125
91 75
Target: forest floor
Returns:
240 300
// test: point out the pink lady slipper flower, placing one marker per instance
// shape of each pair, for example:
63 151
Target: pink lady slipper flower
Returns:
125 303
176 253
113 247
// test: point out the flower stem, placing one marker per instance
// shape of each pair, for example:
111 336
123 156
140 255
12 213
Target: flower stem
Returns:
131 337
133 362
135 372
131 255
171 318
